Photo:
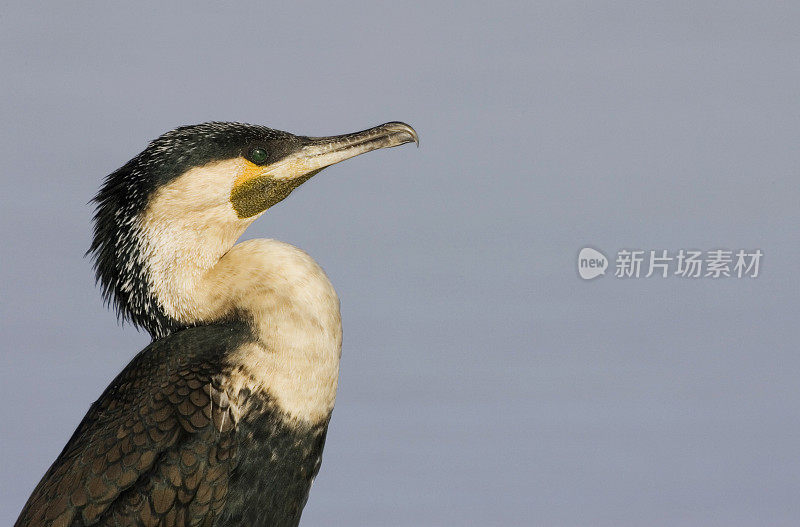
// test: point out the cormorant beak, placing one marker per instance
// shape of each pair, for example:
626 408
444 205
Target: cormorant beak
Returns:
259 187
320 152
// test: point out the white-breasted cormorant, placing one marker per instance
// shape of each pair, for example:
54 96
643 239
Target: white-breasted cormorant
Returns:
221 420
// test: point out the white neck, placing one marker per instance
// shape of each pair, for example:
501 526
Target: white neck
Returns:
199 276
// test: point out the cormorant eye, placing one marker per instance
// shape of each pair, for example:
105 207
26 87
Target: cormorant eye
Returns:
258 155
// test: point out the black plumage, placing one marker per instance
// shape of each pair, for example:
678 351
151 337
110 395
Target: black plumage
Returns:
162 446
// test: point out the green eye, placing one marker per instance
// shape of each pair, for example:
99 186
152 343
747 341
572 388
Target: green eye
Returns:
258 156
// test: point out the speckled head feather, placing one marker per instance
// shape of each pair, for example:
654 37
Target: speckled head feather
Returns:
165 217
116 249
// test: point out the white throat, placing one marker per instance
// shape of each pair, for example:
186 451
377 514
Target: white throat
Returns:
199 276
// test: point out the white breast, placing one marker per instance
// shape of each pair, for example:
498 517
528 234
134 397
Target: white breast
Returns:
296 313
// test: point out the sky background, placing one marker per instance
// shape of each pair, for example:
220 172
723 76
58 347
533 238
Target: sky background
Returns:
482 381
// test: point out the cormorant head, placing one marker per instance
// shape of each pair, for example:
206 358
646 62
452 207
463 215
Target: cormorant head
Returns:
196 189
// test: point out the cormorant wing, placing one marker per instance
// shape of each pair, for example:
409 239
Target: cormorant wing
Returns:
155 449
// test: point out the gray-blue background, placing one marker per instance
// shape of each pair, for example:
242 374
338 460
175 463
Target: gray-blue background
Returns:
483 383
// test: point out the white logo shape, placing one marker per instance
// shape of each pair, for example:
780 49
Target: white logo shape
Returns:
591 263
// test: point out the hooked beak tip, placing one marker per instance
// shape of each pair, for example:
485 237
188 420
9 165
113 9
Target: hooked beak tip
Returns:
402 130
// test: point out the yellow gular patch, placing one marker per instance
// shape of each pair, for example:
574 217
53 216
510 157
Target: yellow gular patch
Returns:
290 167
257 188
249 172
